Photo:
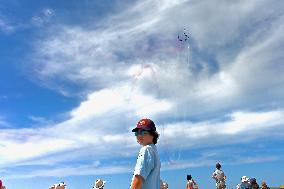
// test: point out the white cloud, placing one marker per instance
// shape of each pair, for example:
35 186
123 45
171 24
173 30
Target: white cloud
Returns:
86 122
103 57
82 137
28 144
247 125
119 100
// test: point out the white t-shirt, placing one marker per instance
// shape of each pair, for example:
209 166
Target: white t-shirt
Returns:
218 175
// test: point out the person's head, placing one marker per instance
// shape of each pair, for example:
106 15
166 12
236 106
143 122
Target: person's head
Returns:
60 185
244 179
188 177
145 132
263 184
252 181
99 184
218 166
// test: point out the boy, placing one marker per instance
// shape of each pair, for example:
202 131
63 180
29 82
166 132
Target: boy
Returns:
147 170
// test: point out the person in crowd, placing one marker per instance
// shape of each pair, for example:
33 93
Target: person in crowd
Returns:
164 185
147 169
264 185
60 185
191 184
245 183
1 185
99 184
219 177
253 183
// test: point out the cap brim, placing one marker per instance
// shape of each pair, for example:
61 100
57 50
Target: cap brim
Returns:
146 129
135 129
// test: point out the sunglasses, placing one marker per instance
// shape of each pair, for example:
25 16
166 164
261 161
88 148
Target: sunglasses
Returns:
141 132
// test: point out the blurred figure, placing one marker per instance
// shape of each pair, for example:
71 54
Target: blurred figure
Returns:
219 177
191 184
99 184
245 183
60 185
238 186
253 183
1 185
164 185
264 186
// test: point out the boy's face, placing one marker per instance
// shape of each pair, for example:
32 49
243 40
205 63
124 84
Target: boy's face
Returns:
143 137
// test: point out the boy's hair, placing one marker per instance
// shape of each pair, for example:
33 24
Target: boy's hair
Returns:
155 134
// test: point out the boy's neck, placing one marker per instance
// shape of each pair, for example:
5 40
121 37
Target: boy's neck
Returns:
148 143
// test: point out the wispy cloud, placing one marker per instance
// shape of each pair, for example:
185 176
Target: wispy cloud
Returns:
41 120
207 162
4 97
4 123
44 17
9 26
96 169
74 170
5 26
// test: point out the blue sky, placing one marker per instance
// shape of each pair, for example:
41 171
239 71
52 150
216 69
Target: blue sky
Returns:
75 77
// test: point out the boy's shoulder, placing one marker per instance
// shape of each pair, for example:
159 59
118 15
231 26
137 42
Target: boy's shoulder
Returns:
148 148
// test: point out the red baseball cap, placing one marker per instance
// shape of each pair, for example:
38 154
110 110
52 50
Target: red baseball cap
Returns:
146 124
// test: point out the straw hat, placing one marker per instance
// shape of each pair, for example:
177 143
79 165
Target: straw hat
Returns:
100 183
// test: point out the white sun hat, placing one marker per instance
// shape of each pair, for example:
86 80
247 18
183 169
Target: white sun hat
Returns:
245 179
